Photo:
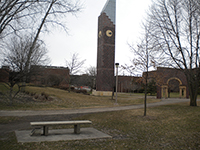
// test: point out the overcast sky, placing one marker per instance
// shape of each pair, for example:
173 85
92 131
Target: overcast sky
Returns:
82 36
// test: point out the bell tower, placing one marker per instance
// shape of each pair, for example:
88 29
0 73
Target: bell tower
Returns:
106 48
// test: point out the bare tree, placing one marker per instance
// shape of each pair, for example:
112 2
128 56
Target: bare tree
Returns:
75 64
92 72
19 15
50 12
16 56
197 4
176 32
143 59
16 53
10 15
55 10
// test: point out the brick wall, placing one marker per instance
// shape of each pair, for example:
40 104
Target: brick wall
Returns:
50 76
4 75
163 75
129 83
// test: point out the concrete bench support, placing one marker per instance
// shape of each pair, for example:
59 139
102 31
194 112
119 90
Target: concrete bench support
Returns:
77 129
45 130
46 125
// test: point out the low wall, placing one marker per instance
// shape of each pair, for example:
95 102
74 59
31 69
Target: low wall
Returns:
101 93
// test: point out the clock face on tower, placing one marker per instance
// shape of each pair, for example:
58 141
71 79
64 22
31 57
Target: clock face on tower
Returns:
109 33
100 34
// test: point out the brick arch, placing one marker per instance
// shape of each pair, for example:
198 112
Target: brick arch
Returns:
174 78
164 75
182 88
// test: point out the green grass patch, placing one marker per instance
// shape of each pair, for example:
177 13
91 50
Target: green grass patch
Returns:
174 95
165 127
3 88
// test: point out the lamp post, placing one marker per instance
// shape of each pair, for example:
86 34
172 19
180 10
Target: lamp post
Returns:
117 65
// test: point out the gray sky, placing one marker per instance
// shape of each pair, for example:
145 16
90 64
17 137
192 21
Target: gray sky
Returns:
82 37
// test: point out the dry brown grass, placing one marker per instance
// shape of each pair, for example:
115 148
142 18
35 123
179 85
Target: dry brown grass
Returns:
62 99
170 127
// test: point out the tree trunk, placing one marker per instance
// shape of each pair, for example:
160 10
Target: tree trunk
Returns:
10 96
69 89
145 96
193 85
145 100
193 101
27 64
113 91
193 95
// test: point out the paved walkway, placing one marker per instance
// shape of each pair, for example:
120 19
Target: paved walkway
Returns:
20 113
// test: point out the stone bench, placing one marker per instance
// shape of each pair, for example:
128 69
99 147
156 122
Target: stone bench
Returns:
46 125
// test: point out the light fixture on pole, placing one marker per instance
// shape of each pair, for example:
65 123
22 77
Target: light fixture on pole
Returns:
117 65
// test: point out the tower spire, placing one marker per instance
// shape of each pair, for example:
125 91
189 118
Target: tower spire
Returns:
110 10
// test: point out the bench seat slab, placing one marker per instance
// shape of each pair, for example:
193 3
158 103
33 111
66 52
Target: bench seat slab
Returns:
60 123
51 123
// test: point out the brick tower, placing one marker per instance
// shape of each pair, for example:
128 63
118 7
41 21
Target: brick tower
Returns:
106 48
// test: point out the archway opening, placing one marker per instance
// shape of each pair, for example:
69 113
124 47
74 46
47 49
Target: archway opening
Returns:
173 88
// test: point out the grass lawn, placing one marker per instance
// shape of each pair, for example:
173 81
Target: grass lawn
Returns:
62 99
170 127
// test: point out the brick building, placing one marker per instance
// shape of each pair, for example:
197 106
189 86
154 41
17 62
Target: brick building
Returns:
4 74
165 79
50 76
128 84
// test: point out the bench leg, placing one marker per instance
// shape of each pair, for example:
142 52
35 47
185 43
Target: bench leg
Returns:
32 132
45 130
77 128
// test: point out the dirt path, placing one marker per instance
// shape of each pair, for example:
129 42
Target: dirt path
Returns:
25 117
89 110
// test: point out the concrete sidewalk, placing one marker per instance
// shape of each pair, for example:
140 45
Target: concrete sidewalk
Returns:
20 113
61 135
